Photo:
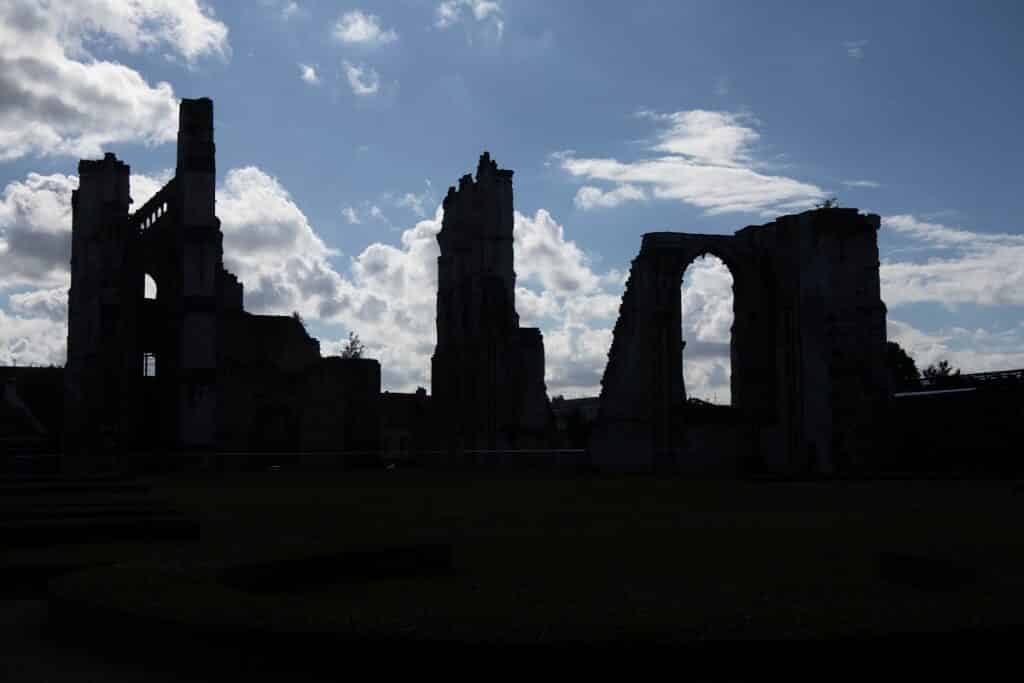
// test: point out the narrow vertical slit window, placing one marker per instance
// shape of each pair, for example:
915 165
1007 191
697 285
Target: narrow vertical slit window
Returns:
149 365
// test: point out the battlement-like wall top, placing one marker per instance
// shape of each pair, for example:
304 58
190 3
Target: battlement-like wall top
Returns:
833 217
109 161
487 174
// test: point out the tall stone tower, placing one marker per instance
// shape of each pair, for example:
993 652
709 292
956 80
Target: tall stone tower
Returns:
200 244
487 372
99 311
142 373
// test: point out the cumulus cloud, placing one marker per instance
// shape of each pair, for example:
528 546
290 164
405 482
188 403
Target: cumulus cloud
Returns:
58 99
362 79
707 306
41 303
35 231
309 74
270 245
705 158
36 340
35 227
487 13
543 256
356 27
970 267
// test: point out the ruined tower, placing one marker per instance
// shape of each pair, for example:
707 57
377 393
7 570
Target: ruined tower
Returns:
487 372
142 372
100 342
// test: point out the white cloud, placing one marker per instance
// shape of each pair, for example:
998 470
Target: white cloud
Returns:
270 245
309 74
707 306
41 303
35 231
855 48
350 215
543 256
861 183
418 203
590 197
60 100
32 340
977 350
35 227
706 137
290 9
355 27
706 161
984 269
362 79
486 12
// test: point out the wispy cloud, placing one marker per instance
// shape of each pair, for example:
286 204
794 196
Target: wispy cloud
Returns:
705 158
589 197
483 12
861 183
855 48
984 269
351 215
362 79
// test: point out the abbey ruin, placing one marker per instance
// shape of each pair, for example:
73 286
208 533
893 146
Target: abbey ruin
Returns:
190 370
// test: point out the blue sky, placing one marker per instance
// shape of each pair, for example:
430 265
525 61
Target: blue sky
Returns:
339 127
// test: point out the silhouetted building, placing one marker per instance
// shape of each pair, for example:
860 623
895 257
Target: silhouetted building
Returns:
189 369
809 378
488 372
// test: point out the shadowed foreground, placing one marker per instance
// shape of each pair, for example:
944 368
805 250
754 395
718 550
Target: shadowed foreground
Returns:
520 559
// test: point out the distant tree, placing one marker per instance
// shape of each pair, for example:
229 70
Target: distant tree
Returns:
353 348
830 203
941 369
298 318
903 372
941 373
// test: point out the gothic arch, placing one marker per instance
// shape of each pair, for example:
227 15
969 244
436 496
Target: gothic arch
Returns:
798 306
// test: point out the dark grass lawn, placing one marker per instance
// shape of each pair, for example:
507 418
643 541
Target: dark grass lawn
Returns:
547 558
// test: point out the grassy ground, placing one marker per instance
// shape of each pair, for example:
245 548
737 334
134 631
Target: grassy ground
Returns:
547 558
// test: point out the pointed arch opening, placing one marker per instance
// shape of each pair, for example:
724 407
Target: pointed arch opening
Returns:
149 290
707 305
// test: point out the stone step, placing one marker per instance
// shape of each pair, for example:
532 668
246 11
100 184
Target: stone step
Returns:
30 487
44 532
12 513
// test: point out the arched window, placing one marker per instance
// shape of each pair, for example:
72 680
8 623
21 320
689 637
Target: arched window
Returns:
149 290
707 317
